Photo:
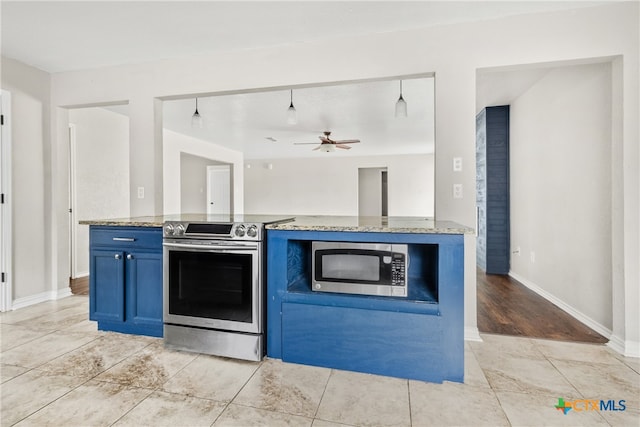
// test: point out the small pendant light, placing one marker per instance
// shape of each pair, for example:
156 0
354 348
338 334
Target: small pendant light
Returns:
401 105
196 119
292 115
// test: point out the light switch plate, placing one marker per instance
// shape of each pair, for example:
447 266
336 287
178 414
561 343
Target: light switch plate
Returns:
457 164
140 192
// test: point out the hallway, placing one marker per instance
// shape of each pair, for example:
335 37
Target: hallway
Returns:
507 307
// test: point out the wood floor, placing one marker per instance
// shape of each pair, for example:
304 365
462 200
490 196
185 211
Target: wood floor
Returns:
79 286
507 307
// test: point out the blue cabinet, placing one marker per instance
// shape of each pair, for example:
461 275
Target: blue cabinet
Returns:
125 281
419 337
106 285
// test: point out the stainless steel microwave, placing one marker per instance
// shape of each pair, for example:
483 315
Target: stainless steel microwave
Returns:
360 268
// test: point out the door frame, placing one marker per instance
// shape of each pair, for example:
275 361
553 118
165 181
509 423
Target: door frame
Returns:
73 225
6 287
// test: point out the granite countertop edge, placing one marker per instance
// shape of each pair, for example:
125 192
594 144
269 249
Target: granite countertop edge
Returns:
316 223
372 229
127 222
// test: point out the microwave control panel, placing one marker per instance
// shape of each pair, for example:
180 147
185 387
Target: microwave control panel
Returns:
398 277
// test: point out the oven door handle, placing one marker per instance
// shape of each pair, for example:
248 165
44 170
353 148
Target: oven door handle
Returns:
219 248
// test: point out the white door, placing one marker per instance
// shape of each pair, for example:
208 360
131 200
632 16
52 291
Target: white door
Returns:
5 209
219 189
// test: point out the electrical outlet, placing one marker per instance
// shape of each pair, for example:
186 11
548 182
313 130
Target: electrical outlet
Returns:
457 164
140 192
457 191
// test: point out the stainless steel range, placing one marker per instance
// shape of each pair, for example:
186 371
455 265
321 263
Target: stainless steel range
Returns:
214 285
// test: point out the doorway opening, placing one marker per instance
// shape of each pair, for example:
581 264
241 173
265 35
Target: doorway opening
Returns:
98 178
559 162
373 193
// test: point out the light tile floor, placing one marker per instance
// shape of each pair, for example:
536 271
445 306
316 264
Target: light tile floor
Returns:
57 369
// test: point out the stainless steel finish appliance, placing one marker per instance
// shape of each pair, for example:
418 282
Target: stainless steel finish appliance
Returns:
214 286
360 268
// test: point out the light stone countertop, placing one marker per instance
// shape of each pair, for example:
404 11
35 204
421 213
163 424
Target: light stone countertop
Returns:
158 220
393 224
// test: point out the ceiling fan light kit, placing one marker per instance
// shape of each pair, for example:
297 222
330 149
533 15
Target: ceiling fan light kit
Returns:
292 115
328 145
401 105
196 118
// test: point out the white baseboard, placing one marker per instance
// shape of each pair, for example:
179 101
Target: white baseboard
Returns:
81 275
23 302
577 314
626 348
61 293
471 333
41 297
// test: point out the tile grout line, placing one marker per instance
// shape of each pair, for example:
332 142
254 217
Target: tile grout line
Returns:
79 385
151 391
324 390
409 399
239 391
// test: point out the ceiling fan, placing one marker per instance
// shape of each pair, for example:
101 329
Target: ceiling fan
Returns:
327 144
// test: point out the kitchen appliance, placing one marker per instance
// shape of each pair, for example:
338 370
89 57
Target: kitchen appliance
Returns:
360 268
214 285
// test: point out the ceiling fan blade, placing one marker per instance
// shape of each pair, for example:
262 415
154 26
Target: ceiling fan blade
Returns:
348 141
305 143
325 139
317 148
344 147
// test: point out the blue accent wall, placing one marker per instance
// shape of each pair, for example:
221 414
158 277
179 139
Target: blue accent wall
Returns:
492 189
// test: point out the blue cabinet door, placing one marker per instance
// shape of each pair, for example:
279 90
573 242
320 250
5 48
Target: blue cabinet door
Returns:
144 288
106 285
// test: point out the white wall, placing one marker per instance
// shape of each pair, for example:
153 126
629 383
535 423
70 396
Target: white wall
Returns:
101 172
453 52
328 185
30 91
560 155
173 146
193 182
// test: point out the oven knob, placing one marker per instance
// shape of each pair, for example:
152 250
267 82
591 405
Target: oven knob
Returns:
240 231
252 231
168 229
179 230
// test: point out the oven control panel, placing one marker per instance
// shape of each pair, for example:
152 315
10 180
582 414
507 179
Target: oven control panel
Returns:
201 230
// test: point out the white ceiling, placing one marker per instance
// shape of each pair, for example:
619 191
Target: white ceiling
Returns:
362 111
61 36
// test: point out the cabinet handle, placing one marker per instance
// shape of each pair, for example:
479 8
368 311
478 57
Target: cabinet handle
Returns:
129 256
124 239
117 256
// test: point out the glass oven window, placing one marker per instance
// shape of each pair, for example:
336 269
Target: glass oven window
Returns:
211 285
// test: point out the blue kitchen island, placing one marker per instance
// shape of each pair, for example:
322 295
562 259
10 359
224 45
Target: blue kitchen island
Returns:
420 336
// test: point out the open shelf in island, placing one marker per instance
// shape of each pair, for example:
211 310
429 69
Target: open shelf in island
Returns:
417 337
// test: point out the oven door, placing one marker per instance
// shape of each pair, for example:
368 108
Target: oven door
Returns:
214 284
